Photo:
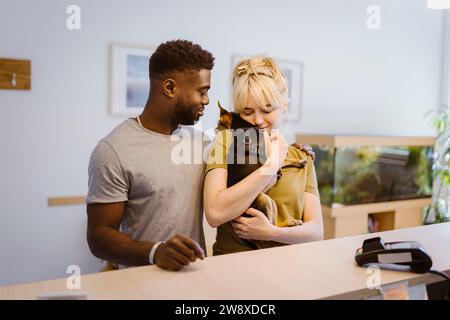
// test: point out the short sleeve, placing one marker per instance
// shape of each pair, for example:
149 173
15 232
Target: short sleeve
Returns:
218 153
311 180
107 181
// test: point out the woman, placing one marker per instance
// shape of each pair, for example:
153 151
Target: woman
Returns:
260 96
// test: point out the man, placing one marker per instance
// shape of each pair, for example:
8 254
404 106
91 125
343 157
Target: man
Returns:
138 196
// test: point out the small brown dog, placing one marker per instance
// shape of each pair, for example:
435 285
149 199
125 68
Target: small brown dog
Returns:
247 145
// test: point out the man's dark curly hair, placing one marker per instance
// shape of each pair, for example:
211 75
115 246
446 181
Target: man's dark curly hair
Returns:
179 55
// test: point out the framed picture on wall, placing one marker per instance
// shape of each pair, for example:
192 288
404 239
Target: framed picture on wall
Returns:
294 74
129 78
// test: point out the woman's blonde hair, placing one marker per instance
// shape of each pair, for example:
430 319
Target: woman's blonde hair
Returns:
262 78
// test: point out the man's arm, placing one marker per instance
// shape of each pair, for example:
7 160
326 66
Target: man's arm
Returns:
108 243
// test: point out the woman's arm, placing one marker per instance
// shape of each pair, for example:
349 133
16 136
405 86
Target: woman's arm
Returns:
224 204
310 230
258 227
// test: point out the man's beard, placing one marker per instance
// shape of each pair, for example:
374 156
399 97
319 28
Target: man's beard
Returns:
185 115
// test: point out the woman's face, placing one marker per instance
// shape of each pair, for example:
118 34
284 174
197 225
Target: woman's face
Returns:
270 117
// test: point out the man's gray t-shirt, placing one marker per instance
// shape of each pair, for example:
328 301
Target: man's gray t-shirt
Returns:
163 195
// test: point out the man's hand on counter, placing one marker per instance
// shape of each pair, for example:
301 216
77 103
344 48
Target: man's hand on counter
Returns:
179 251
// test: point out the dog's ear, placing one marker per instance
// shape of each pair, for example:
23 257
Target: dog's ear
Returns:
225 119
222 110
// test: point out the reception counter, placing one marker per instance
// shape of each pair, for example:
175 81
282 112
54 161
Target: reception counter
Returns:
315 270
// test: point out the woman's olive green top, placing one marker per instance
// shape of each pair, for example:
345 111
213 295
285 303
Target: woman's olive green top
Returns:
288 193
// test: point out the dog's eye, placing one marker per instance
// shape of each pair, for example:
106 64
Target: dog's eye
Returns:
247 140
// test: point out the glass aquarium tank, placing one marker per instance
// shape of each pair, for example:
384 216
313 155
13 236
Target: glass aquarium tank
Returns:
349 175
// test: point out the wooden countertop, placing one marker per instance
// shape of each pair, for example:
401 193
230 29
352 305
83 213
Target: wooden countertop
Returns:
305 271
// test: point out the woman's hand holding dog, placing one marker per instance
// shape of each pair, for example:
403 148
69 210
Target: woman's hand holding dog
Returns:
256 227
276 151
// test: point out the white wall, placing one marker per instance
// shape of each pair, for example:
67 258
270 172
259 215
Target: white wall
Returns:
355 81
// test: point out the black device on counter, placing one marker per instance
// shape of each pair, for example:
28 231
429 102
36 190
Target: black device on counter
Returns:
394 255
